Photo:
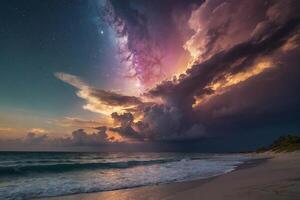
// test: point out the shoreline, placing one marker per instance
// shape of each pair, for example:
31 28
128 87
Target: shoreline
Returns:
162 190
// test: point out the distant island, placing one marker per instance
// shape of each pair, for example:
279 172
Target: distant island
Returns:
286 143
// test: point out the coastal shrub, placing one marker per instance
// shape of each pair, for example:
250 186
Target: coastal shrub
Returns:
286 143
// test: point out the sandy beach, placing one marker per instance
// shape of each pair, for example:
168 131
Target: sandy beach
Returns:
275 178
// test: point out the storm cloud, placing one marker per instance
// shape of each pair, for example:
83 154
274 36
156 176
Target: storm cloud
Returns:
242 68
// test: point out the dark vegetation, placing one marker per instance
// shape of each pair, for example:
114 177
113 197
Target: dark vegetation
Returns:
286 143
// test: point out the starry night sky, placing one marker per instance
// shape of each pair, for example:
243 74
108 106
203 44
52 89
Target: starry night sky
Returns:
162 73
39 38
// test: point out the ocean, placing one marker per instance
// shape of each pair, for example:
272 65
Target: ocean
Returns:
27 175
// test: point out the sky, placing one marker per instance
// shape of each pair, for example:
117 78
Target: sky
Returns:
194 75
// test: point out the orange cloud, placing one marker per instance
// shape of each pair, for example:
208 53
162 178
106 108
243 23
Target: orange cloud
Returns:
38 131
100 101
233 79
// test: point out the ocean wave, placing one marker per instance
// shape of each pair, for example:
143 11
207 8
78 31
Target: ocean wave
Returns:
64 167
30 181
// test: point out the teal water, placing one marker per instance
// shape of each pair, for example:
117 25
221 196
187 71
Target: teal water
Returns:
35 175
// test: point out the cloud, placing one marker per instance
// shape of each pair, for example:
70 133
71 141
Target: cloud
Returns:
38 131
81 138
220 25
123 119
159 123
6 130
125 125
223 62
72 80
176 118
81 123
35 139
229 51
263 99
222 65
35 136
78 138
100 101
114 99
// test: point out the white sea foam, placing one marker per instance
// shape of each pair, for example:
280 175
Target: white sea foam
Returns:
162 168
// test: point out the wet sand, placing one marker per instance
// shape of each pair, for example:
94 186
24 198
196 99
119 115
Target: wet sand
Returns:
277 178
